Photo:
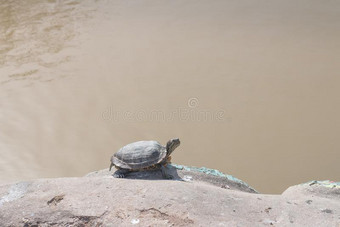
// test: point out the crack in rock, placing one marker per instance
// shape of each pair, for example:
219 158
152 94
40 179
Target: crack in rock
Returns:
173 219
75 220
55 200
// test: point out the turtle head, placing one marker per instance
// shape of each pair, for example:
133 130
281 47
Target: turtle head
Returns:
172 145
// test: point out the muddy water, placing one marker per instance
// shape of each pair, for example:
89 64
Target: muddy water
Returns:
250 87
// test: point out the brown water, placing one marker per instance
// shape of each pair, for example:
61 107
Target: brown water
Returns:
250 87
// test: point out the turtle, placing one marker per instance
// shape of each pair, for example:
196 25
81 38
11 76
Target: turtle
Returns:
143 155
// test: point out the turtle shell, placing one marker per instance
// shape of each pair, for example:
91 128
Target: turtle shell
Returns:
139 155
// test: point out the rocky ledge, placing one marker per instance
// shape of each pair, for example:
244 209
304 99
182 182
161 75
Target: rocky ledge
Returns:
196 197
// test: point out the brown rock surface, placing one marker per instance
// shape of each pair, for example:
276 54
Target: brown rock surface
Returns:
199 199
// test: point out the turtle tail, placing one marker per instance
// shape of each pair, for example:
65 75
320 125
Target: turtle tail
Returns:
111 166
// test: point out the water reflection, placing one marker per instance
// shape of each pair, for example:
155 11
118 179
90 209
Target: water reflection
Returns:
36 36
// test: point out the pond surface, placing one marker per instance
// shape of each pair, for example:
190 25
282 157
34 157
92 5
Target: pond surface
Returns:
250 87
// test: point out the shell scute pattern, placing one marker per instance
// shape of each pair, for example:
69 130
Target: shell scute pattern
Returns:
139 155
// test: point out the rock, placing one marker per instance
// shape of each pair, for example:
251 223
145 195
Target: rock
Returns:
197 197
185 173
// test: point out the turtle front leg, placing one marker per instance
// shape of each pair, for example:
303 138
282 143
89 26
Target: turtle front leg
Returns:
165 173
121 173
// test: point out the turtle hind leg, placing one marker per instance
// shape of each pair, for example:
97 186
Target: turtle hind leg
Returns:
121 173
165 173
